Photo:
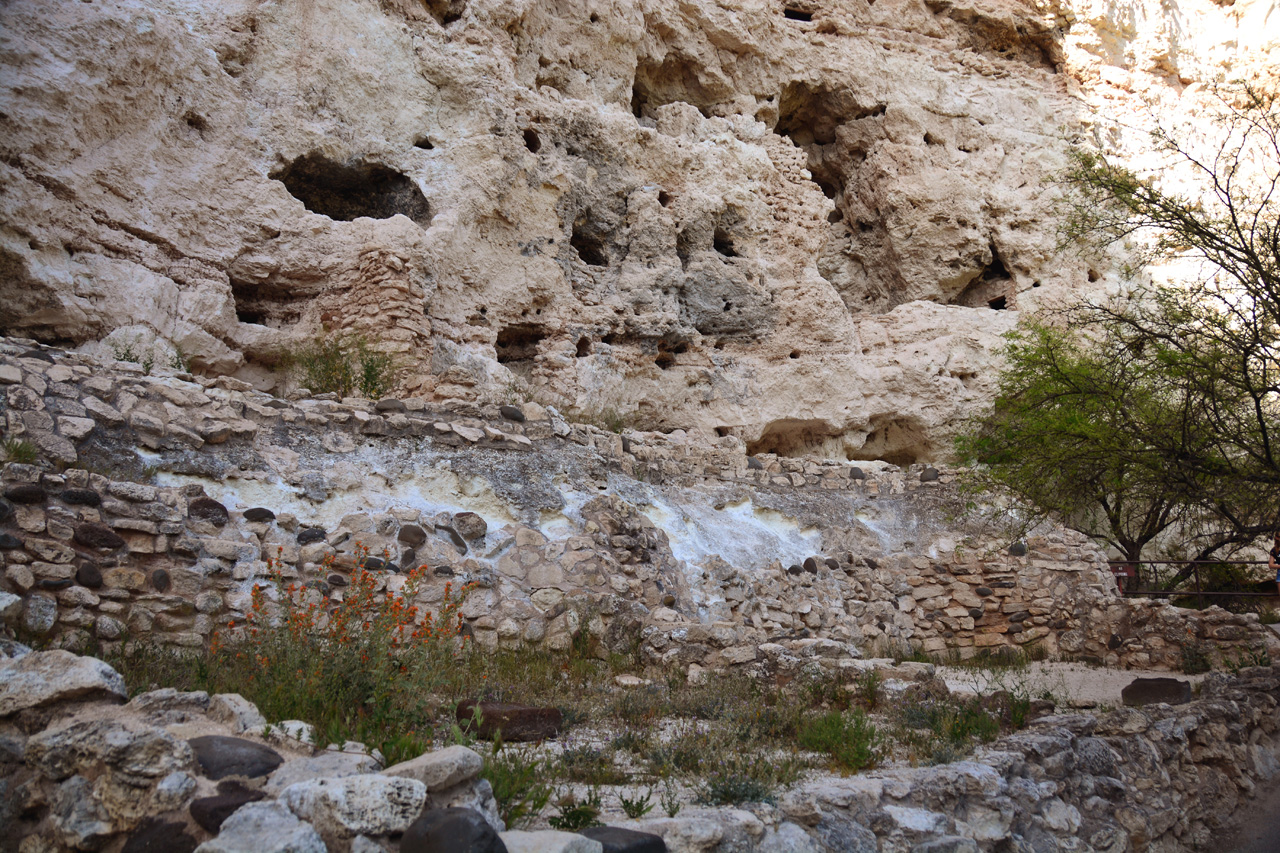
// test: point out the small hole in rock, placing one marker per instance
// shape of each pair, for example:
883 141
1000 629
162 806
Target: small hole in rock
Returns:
595 19
794 354
998 304
797 15
1035 284
590 247
664 198
584 347
531 141
1093 275
665 360
723 243
424 143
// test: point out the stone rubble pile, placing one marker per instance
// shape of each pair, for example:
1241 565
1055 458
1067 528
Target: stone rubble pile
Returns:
89 551
81 769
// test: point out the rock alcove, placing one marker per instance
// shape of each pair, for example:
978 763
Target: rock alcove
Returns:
351 189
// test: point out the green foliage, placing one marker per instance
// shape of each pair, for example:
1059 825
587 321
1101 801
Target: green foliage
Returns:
849 738
519 780
1195 657
20 450
342 365
591 765
577 814
744 778
637 806
670 798
1158 407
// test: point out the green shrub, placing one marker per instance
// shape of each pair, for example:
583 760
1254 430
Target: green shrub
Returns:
18 450
744 777
638 806
519 778
590 765
342 365
850 739
1195 658
575 814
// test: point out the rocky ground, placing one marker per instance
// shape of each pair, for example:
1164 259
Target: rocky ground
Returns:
83 769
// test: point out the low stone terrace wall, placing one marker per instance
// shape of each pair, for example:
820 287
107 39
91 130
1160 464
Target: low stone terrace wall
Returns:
90 548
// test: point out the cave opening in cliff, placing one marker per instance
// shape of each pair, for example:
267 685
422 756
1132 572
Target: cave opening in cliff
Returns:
897 439
445 11
518 343
722 242
348 190
811 117
794 14
267 304
531 141
424 143
667 352
676 79
590 245
990 288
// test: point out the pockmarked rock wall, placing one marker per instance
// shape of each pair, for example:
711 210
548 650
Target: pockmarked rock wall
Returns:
159 502
790 222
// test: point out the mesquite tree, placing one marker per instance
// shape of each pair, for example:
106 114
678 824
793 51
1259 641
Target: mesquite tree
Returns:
1123 417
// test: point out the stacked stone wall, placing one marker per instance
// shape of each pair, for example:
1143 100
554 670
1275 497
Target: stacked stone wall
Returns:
94 551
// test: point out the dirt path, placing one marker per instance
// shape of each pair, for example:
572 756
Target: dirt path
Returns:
1072 685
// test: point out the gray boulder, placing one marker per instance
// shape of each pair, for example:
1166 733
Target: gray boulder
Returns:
264 828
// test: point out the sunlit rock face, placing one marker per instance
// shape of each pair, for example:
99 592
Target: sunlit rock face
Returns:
804 225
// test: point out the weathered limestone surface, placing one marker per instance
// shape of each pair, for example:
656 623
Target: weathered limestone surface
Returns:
696 214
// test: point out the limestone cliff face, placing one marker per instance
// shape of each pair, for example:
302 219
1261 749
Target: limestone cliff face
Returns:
794 222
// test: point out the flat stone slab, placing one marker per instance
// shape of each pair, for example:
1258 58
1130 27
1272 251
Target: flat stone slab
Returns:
1149 691
516 722
220 756
42 678
616 839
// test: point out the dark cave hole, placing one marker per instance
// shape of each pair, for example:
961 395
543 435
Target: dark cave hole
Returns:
796 14
611 338
531 141
1093 275
723 243
667 352
595 19
1000 303
584 347
996 270
196 122
519 342
347 191
424 143
590 246
664 198
794 354
268 305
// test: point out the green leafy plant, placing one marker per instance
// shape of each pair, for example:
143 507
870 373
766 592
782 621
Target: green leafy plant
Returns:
577 814
341 365
850 739
1195 658
20 451
637 806
519 778
591 765
670 798
746 778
